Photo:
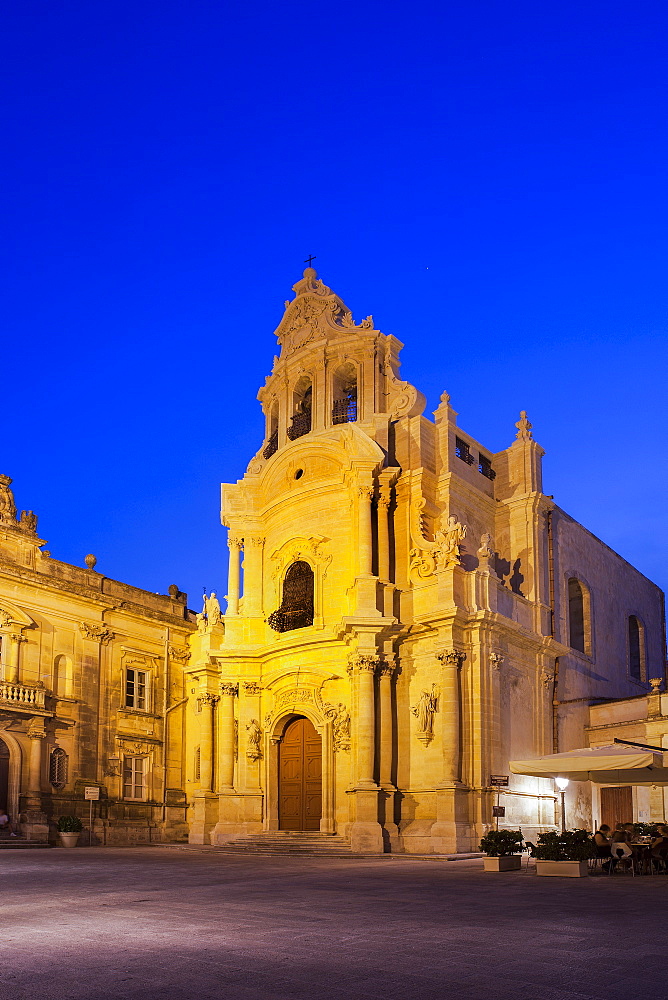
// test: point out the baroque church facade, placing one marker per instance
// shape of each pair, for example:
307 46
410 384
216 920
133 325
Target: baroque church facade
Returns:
406 612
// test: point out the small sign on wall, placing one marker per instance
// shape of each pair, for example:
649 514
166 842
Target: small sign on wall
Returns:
499 811
499 780
91 792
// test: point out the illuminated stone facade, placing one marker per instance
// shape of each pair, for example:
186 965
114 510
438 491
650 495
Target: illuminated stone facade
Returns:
91 694
456 617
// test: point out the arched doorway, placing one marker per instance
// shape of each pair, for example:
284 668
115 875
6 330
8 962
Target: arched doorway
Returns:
300 777
4 776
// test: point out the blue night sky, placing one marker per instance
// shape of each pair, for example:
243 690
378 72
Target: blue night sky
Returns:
487 179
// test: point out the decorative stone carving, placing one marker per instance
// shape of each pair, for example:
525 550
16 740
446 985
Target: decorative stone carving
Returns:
547 676
524 427
99 633
424 710
176 653
234 542
91 561
451 657
366 492
310 550
229 689
207 698
427 556
252 687
28 521
340 719
5 618
656 683
496 659
362 663
36 730
293 695
486 550
253 748
132 746
7 505
18 637
201 622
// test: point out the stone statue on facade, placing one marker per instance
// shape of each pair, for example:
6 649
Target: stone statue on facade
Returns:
449 539
7 505
254 749
211 609
424 711
28 521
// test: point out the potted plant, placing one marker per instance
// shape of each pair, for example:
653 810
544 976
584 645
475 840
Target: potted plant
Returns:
69 828
564 853
502 849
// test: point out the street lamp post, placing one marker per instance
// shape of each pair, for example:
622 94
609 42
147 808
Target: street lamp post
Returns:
562 785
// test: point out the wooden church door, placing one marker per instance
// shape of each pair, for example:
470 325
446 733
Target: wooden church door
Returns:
300 777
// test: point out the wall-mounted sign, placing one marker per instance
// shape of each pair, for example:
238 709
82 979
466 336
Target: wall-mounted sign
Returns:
91 792
499 811
499 780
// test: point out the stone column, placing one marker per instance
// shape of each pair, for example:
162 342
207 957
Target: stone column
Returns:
365 542
363 668
253 575
207 704
386 671
36 734
366 832
234 545
14 653
384 533
450 707
228 692
451 818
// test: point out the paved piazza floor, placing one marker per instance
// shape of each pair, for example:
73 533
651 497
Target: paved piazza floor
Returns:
173 924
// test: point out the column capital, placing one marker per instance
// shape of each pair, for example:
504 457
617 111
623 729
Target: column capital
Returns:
386 668
363 663
366 492
98 633
255 540
234 542
252 687
451 657
208 699
229 689
18 637
496 659
36 729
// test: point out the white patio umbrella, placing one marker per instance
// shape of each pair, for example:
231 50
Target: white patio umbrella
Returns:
607 765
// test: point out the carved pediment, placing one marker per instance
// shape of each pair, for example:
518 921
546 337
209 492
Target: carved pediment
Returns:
314 314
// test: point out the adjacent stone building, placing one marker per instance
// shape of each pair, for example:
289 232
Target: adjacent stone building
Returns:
414 612
91 694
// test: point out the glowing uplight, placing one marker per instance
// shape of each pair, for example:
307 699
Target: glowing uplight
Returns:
561 783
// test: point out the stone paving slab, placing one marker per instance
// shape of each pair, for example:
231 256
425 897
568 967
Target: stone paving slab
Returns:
148 923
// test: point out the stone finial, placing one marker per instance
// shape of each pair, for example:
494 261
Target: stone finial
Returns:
445 398
656 683
524 426
91 561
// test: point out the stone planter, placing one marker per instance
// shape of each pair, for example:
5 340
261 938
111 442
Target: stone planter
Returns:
571 869
68 839
507 863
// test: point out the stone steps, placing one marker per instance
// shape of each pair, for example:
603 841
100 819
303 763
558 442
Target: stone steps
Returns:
18 844
308 844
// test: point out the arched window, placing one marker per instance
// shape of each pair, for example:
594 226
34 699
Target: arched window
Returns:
62 677
296 610
637 665
272 431
302 396
58 768
578 616
344 394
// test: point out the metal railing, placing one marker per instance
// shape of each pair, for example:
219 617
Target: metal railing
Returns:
301 424
344 411
272 445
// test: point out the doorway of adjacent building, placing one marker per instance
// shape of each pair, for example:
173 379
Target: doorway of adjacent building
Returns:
617 805
4 776
300 777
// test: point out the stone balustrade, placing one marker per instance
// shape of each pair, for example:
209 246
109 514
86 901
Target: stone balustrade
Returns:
21 695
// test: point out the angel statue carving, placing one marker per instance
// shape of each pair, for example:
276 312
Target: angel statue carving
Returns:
449 539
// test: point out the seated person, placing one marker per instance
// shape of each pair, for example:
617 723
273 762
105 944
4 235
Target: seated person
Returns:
6 823
659 845
621 843
603 843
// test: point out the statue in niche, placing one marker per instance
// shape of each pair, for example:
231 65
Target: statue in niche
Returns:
254 750
424 711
